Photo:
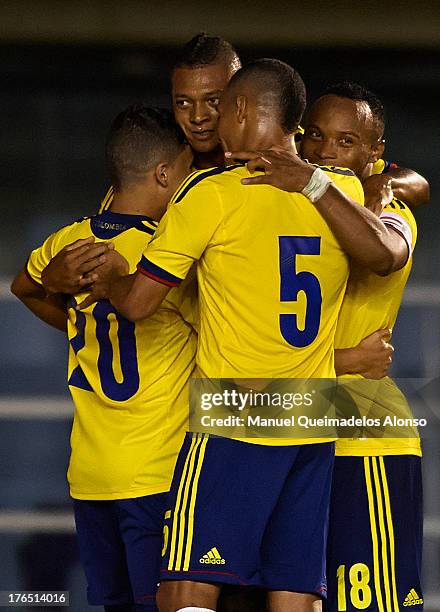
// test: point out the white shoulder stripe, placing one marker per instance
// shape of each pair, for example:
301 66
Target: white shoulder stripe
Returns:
401 225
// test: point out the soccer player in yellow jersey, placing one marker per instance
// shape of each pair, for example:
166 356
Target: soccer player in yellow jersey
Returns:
201 72
128 381
376 524
256 250
375 536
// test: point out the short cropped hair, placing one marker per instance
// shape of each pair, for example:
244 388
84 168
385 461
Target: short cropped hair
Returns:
140 137
359 93
204 50
287 89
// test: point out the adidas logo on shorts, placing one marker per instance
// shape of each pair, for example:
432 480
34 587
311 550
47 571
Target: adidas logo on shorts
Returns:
212 557
412 599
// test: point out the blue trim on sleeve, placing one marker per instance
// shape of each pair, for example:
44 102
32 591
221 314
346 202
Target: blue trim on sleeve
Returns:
203 175
147 267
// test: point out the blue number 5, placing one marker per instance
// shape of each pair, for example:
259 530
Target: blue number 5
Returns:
292 282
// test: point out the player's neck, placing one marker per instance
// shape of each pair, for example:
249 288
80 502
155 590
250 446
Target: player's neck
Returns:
136 202
272 136
202 161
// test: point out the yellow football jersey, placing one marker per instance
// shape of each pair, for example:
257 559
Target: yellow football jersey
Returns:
128 380
372 302
271 275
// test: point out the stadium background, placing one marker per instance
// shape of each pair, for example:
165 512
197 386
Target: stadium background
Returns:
66 69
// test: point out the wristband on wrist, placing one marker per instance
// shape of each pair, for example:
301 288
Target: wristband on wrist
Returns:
318 184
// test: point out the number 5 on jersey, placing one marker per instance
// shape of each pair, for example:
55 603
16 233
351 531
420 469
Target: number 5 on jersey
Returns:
292 282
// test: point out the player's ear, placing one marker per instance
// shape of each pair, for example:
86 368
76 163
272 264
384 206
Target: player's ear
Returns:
241 108
161 173
377 151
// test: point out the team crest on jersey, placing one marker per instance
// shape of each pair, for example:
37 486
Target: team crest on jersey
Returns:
212 557
413 599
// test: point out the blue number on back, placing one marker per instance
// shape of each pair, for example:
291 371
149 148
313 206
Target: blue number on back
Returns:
114 390
118 391
292 282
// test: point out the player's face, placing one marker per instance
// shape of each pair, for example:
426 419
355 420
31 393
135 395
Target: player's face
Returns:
196 94
340 132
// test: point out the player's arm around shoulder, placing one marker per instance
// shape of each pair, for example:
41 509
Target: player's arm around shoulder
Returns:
28 288
67 271
180 240
361 234
49 308
407 185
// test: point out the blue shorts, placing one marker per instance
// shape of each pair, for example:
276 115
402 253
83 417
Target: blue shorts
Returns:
375 535
120 548
249 514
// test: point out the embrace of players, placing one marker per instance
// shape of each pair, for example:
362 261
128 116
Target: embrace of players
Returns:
204 274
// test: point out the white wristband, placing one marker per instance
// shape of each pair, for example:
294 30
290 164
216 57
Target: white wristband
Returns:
318 184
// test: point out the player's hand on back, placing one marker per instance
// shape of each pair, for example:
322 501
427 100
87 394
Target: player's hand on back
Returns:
374 354
66 272
282 168
378 192
102 277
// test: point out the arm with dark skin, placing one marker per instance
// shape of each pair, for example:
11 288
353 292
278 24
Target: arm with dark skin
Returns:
135 296
50 309
361 234
406 185
371 358
66 272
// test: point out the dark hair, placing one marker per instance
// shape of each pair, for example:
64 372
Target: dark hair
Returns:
359 93
139 138
204 50
272 76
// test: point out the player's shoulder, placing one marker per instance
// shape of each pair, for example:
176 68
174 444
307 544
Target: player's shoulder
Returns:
346 180
398 215
75 227
335 171
108 224
103 226
201 180
397 207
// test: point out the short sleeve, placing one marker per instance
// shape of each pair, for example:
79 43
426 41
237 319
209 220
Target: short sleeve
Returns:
183 234
40 257
397 215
